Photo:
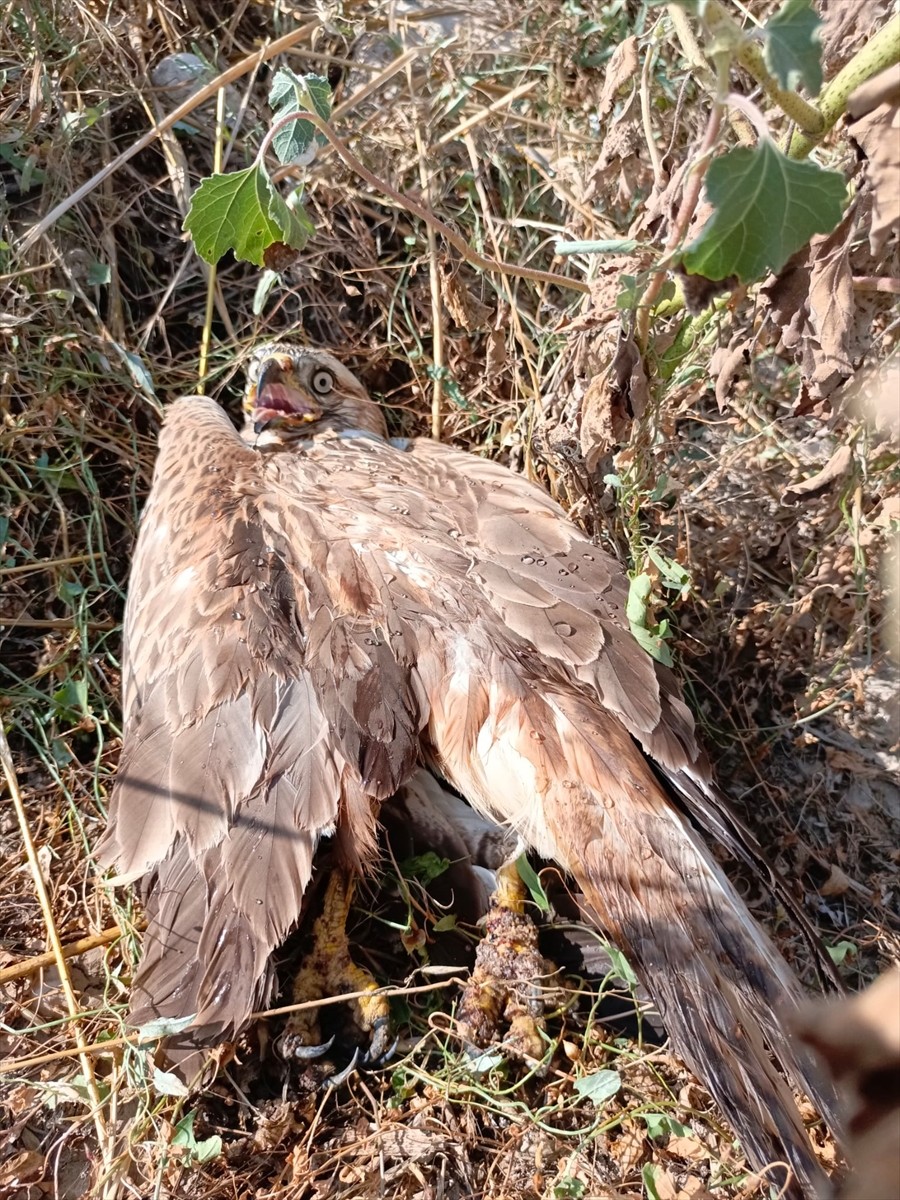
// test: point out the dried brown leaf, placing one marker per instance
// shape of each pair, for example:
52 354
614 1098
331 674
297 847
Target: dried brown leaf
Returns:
812 303
666 1187
689 1147
846 27
413 1145
878 134
495 355
662 203
620 70
888 512
837 883
612 402
607 284
694 1189
873 395
856 763
630 1147
621 161
26 1167
726 364
831 308
836 468
465 309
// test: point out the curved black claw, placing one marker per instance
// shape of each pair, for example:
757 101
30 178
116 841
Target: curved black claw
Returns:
290 1046
381 1048
340 1077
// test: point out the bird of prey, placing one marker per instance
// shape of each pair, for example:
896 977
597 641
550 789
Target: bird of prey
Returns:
316 613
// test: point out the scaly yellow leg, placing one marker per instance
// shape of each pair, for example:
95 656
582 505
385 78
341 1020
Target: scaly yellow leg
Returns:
506 982
328 970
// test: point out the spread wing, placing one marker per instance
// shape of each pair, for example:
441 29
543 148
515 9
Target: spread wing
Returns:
261 712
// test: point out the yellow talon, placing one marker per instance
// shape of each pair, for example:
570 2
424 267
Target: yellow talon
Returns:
329 970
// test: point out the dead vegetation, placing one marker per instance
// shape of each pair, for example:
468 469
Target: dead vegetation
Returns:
734 450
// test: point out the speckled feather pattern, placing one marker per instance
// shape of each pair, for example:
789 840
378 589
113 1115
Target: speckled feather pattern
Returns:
306 627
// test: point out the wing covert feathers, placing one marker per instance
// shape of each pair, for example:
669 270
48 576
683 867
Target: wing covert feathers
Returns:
305 627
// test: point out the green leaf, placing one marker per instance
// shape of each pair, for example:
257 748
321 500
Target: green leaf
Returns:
529 877
162 1027
661 1125
71 701
631 291
674 575
195 1151
604 246
267 281
654 644
424 867
451 388
767 207
140 376
651 637
841 951
292 93
98 274
241 211
599 1087
648 1174
167 1084
568 1188
621 965
69 590
636 604
793 50
483 1064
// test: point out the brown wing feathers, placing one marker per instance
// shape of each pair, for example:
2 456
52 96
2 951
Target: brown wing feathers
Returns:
230 771
304 625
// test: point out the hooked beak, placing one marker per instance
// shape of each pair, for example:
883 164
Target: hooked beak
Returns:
277 399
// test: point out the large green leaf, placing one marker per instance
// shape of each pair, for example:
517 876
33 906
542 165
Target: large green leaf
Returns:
242 211
637 609
767 207
599 1086
292 93
792 46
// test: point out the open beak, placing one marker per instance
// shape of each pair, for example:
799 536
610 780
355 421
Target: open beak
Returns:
277 398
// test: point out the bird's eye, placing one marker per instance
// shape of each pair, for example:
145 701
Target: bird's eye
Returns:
322 382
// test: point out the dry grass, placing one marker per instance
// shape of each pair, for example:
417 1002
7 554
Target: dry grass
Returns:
779 632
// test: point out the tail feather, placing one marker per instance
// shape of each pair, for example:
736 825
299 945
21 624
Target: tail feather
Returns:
722 987
710 810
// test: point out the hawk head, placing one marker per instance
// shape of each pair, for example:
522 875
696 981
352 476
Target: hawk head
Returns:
294 392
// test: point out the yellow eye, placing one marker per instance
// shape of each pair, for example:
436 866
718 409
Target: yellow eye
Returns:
322 382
